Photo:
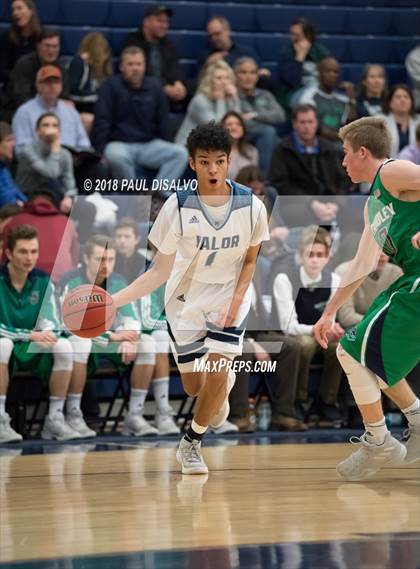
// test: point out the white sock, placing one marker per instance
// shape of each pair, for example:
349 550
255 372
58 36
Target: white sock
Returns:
198 428
413 413
56 404
2 404
376 432
137 399
73 401
161 393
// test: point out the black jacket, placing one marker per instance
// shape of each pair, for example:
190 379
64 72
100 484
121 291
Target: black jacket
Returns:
170 70
291 175
125 114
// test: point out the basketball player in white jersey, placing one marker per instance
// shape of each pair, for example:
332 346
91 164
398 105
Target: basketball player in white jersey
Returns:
208 241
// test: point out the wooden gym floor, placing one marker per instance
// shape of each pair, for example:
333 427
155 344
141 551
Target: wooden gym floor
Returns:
268 502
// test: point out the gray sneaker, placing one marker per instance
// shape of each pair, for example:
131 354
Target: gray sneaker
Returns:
370 458
412 443
189 457
165 423
223 413
76 421
55 427
7 434
135 424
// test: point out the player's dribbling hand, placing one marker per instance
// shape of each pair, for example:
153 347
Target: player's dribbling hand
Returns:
44 338
415 240
128 351
321 329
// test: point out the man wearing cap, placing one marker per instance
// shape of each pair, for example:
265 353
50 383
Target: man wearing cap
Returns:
22 82
161 54
49 86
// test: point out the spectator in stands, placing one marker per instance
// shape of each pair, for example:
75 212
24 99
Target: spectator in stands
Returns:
58 241
298 300
242 153
262 345
216 95
252 177
334 109
49 86
89 68
221 46
260 110
401 117
353 310
131 120
28 319
161 54
412 151
120 345
372 91
412 65
298 65
23 83
304 164
10 193
46 165
20 39
129 263
6 214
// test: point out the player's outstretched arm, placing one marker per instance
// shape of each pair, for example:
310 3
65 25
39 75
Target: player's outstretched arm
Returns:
147 282
365 261
401 175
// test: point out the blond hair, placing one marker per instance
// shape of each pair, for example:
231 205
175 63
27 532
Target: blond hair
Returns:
370 132
95 49
205 86
313 235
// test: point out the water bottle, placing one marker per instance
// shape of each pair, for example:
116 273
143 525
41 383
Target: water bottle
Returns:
335 235
264 414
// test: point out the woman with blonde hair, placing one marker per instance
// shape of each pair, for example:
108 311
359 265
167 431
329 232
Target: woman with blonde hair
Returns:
20 38
216 95
88 70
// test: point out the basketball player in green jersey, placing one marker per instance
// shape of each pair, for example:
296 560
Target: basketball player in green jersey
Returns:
378 352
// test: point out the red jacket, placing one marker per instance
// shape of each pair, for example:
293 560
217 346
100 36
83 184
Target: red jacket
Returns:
58 241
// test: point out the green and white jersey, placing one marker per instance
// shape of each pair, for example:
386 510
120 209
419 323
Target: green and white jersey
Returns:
33 308
127 316
152 311
393 223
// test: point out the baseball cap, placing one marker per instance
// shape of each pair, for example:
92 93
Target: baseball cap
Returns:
48 71
157 9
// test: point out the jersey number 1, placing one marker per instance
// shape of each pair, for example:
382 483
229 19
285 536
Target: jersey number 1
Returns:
210 259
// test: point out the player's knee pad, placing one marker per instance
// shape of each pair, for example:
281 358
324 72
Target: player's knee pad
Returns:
363 382
161 338
146 351
63 355
81 349
6 349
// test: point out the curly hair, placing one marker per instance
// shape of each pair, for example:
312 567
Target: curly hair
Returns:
209 137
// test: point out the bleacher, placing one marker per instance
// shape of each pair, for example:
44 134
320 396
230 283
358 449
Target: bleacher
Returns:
378 33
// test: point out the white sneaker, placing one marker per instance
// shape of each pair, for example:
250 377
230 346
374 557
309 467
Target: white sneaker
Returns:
370 458
76 421
189 457
135 424
412 444
166 424
55 427
226 429
7 434
223 412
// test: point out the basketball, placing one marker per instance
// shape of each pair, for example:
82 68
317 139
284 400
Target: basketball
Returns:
88 311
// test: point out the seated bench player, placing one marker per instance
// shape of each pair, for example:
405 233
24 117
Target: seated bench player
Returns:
122 346
28 333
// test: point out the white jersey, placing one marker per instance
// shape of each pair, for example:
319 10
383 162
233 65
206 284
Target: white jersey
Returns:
208 251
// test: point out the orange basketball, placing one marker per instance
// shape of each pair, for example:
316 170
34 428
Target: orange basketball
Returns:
88 311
